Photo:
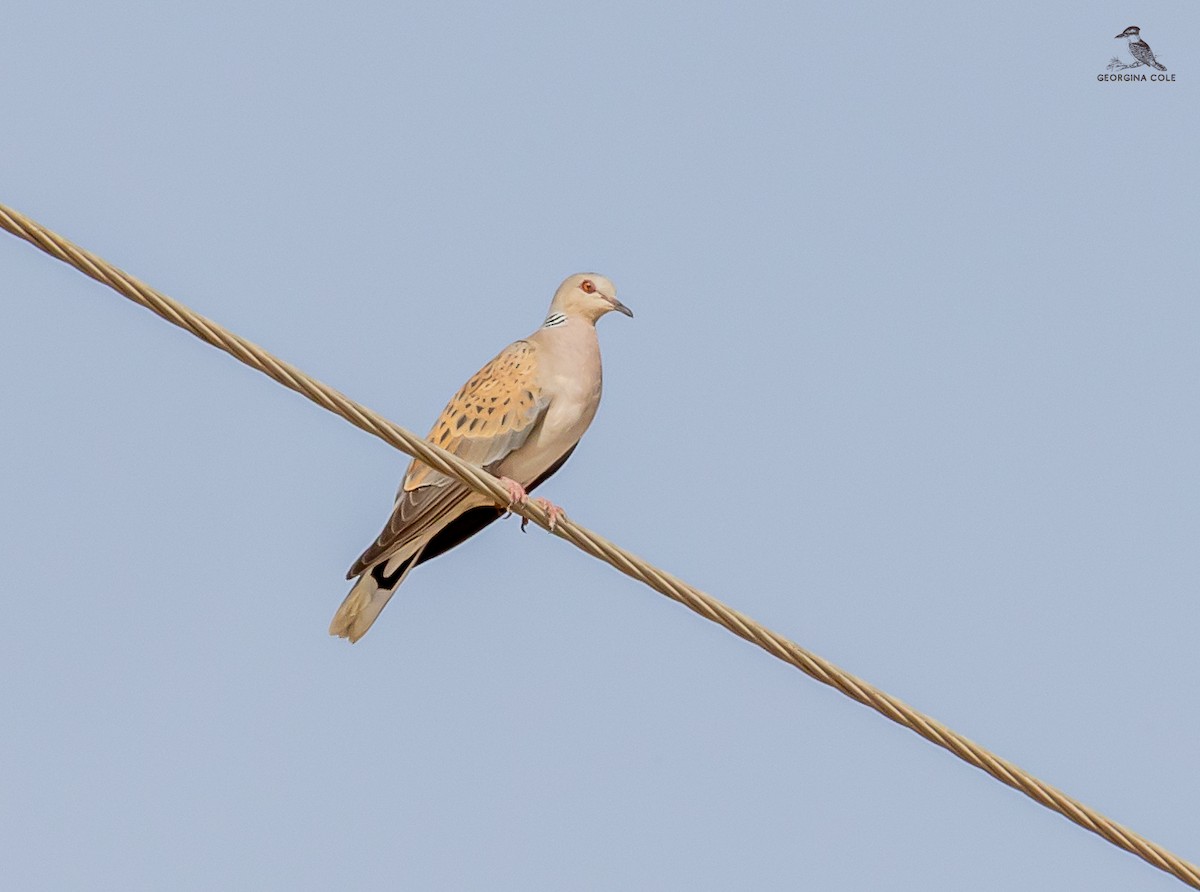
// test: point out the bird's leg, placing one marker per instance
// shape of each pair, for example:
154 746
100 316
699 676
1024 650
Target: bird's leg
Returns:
516 493
554 512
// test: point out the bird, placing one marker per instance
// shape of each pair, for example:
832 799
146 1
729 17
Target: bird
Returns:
519 417
1139 49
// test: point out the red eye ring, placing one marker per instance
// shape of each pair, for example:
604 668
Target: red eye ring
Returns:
588 286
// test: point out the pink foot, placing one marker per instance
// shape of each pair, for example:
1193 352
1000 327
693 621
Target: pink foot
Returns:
516 492
556 513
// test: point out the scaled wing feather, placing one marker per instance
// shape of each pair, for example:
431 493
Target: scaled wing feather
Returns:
489 418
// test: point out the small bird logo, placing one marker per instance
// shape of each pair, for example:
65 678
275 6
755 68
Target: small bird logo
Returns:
1138 48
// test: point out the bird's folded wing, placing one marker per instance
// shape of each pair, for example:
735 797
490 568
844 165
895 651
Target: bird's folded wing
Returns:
487 420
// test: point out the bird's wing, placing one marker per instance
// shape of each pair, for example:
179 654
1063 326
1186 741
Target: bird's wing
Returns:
488 419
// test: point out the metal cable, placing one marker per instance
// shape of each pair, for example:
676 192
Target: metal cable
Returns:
597 546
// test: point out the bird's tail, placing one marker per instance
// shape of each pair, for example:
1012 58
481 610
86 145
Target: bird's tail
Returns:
1159 65
368 596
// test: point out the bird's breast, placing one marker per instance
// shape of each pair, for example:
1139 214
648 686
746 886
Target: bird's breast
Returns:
568 416
572 382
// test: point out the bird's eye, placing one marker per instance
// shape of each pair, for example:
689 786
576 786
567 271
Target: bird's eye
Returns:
588 286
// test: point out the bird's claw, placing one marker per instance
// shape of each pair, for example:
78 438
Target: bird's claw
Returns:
516 494
553 512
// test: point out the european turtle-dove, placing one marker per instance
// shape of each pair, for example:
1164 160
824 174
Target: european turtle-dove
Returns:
519 417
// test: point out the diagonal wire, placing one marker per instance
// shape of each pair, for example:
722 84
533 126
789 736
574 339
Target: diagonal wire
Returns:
596 545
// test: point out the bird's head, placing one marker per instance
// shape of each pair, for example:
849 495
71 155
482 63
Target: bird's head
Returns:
1131 31
588 295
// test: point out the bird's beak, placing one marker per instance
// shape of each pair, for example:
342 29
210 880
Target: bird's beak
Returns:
1118 37
620 307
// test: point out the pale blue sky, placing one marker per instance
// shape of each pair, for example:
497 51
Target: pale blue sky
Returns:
913 380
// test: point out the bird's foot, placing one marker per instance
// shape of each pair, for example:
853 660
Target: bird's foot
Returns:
516 493
554 512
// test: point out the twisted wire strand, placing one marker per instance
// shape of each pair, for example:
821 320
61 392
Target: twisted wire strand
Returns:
596 545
